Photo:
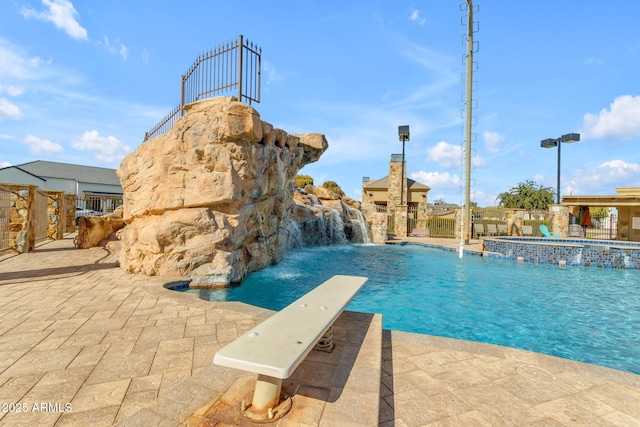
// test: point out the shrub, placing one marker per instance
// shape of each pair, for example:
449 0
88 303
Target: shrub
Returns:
303 180
331 185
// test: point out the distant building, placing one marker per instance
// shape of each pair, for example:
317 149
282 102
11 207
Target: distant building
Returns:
388 195
96 188
443 209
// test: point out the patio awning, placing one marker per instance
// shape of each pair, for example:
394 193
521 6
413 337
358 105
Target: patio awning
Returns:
601 201
101 193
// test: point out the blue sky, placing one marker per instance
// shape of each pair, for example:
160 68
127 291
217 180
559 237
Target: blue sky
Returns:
81 82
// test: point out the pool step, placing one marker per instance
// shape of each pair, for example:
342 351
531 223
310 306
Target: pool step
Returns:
337 388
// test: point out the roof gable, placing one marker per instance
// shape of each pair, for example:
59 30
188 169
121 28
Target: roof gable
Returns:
383 184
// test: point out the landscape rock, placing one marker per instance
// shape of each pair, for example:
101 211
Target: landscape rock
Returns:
94 229
212 198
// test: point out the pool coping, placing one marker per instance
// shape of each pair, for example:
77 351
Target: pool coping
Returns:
555 241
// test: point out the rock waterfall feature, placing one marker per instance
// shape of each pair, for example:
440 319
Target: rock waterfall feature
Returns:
326 218
212 198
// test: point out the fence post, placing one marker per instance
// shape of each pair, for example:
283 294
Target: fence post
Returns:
240 43
183 78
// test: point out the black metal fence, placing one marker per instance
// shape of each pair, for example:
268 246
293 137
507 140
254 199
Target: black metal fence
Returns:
605 228
98 205
234 65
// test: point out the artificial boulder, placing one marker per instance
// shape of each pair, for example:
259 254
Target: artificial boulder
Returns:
94 229
211 198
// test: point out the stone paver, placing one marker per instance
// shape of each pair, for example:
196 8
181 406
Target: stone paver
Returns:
433 381
83 343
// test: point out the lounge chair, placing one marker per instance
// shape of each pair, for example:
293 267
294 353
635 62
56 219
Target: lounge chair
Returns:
478 230
420 232
492 230
527 230
502 229
546 233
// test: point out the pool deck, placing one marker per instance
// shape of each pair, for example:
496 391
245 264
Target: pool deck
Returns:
83 343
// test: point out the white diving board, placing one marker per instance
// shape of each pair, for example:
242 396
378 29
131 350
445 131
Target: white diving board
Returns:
275 347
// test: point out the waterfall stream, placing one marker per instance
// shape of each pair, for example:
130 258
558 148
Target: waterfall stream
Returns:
361 225
328 225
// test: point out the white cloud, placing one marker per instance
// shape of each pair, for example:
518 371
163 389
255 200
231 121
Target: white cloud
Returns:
450 156
41 146
107 148
4 164
593 60
415 17
445 154
272 75
437 180
604 178
62 14
621 121
11 90
492 141
443 74
117 48
7 109
15 65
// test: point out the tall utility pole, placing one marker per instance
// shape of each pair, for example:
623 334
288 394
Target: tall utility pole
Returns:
466 220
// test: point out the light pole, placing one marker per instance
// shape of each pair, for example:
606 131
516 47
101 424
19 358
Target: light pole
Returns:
551 142
403 133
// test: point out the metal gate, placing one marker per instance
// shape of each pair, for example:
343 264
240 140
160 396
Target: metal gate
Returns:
5 204
441 225
41 220
602 228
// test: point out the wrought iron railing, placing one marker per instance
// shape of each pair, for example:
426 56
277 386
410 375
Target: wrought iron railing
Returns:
98 205
231 65
602 228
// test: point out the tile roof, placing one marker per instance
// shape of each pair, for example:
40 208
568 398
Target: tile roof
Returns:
384 183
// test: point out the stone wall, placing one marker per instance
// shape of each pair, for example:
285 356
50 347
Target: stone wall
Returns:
21 227
70 201
209 198
56 213
22 220
396 170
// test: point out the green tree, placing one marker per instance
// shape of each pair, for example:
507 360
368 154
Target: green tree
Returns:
599 213
331 185
526 195
303 180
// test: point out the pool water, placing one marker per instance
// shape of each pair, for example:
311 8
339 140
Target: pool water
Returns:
585 314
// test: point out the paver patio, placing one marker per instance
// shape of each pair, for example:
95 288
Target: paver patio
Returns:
83 343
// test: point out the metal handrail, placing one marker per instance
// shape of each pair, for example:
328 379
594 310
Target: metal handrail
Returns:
234 64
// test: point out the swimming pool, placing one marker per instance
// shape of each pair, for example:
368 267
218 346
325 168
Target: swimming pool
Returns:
580 313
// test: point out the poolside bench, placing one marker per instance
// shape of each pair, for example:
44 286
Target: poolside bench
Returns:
276 347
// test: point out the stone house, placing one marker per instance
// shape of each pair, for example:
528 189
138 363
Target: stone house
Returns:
400 203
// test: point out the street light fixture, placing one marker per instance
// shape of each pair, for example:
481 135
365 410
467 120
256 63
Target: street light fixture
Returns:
551 142
403 133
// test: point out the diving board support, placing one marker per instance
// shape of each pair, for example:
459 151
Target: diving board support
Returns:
275 347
